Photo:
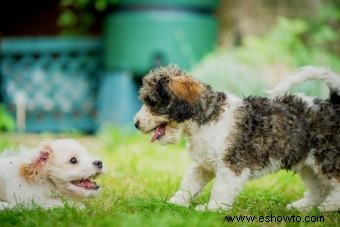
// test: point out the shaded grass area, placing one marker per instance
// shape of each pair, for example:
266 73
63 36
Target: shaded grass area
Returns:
139 179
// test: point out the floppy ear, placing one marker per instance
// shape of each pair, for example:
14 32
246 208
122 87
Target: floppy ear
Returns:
180 111
32 171
186 93
186 88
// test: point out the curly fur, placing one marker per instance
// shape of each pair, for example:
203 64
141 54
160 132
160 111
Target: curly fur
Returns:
235 139
169 91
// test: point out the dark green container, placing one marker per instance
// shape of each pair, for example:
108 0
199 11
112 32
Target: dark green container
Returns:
141 35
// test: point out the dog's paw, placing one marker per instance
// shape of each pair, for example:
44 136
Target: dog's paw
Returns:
179 201
212 207
329 206
202 207
291 206
301 205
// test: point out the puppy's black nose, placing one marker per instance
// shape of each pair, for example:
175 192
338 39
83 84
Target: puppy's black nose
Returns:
137 124
98 163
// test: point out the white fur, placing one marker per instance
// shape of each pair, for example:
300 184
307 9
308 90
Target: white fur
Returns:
49 190
272 167
317 188
192 184
207 145
307 99
332 200
226 187
148 122
321 192
307 73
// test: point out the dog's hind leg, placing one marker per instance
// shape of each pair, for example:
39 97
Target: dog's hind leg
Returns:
316 190
332 201
192 184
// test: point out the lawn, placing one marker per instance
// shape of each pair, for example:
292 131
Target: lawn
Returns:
139 179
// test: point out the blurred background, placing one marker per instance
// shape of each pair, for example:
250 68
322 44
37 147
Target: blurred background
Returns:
73 68
77 65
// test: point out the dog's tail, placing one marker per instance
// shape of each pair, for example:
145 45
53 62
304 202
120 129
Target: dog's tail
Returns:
331 79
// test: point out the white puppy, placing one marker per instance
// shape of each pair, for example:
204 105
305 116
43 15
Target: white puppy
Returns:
56 170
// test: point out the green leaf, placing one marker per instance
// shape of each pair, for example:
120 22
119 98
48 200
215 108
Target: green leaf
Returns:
6 121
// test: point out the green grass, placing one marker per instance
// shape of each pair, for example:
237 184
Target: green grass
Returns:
139 179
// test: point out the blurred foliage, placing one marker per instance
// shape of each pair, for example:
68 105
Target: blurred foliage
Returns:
6 121
298 42
224 72
291 43
77 16
295 43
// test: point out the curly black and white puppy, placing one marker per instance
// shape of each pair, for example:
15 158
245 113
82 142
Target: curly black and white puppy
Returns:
234 139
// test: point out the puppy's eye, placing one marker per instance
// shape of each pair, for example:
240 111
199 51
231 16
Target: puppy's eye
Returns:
150 102
73 160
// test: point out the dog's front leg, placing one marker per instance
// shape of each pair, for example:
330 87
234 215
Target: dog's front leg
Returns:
192 184
227 185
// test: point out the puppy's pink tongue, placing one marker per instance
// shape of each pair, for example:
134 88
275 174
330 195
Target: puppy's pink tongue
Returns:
86 183
160 131
89 184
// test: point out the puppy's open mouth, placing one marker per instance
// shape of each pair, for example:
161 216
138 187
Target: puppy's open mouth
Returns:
87 183
159 132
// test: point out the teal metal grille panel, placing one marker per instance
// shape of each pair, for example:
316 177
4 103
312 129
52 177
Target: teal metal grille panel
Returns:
58 78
